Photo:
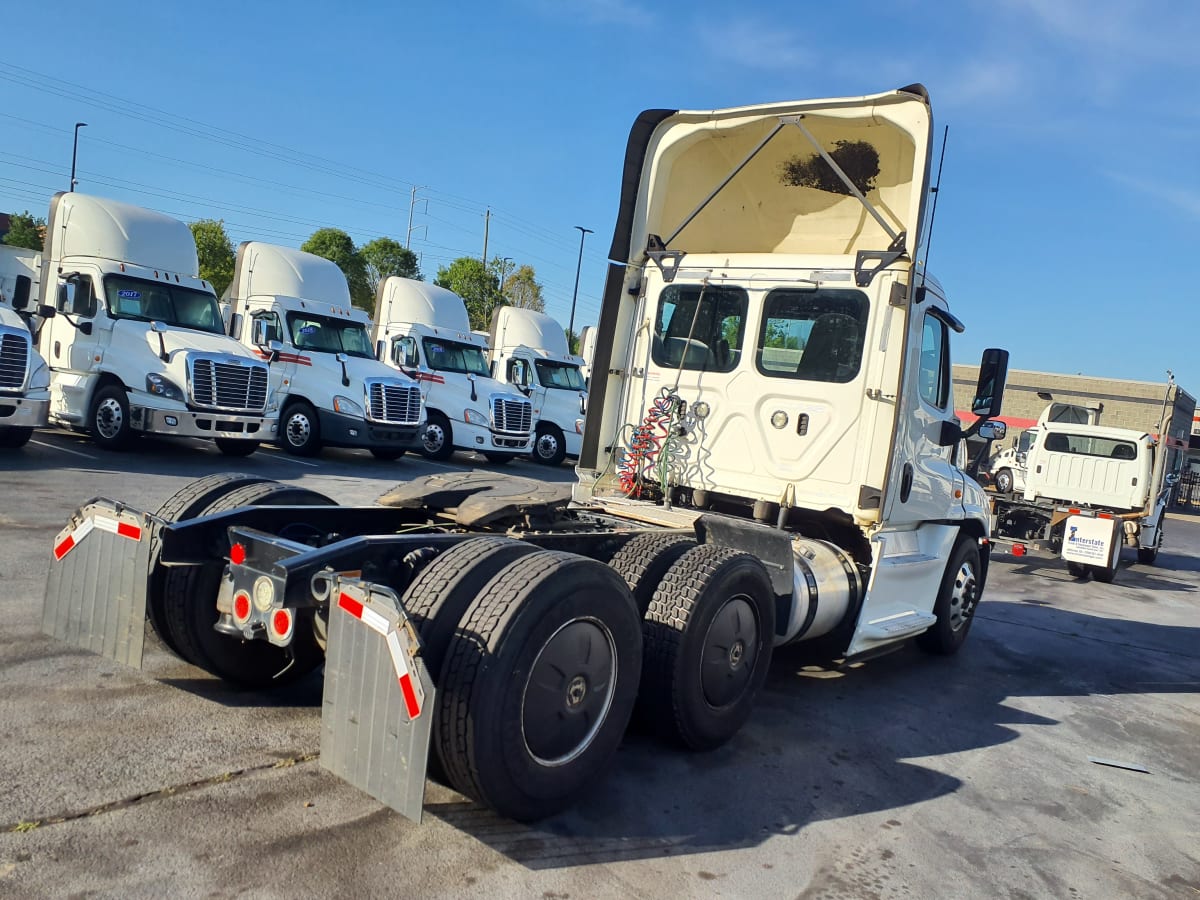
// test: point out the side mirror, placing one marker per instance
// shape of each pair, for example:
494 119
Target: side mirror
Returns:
20 297
260 333
992 431
341 357
158 327
47 312
993 372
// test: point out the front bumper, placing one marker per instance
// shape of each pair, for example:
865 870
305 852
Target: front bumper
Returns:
24 412
179 421
339 430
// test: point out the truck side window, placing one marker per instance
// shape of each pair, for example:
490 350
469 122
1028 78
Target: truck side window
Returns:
813 335
404 352
933 376
701 333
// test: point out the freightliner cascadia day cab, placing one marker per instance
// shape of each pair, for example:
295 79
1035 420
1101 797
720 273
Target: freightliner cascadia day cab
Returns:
769 457
330 388
24 375
528 350
137 345
424 331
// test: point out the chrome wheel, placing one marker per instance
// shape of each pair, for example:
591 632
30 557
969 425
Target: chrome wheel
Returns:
1004 481
110 418
298 429
434 438
963 596
547 446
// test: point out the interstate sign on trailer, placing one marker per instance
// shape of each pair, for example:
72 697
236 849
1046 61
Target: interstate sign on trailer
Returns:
770 455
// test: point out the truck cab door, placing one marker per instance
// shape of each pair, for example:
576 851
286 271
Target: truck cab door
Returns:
924 484
69 339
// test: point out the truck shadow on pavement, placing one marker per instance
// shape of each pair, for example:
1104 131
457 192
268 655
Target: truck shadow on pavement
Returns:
828 741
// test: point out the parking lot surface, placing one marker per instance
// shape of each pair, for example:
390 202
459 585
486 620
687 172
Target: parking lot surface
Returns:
902 776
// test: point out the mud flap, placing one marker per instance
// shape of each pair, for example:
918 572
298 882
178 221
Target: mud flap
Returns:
96 592
377 710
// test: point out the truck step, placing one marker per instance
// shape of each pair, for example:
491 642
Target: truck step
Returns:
897 626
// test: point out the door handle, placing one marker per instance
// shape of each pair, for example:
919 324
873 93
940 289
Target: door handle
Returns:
906 482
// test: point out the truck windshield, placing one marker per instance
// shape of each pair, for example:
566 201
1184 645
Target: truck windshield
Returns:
559 375
452 356
325 334
155 301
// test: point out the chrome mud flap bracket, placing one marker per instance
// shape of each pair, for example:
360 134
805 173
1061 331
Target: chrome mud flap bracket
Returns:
96 591
378 705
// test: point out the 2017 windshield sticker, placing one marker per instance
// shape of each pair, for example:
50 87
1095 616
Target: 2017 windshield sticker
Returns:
130 295
308 329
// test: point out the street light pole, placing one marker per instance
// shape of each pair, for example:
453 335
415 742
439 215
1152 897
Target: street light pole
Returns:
75 152
583 233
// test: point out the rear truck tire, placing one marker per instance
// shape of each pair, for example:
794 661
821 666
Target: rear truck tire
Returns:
957 598
300 429
189 608
645 559
498 459
1004 481
1148 556
549 445
188 502
109 418
387 454
14 438
1077 570
538 684
708 636
437 441
236 446
1104 574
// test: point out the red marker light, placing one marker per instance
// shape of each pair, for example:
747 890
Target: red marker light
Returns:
1018 550
241 606
237 554
281 623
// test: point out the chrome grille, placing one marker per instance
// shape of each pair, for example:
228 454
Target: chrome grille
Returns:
14 360
512 416
393 403
230 386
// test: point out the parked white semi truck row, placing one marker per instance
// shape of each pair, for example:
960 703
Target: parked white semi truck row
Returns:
24 375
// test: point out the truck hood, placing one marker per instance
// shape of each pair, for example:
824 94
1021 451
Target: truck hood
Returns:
753 179
182 341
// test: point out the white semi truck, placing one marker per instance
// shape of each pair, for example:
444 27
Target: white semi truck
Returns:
528 350
729 499
1089 490
24 375
330 388
1006 470
424 331
137 343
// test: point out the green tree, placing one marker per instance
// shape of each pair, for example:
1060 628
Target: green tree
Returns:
336 246
383 258
215 252
521 289
26 231
572 341
476 284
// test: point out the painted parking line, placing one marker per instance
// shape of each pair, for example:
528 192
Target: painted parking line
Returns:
64 450
277 454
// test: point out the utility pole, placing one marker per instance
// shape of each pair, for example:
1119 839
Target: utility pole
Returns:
503 271
583 232
487 220
412 203
75 152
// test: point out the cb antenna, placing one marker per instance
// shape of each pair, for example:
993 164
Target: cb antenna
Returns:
933 212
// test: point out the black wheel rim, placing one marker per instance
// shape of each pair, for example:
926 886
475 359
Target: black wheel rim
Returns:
730 652
569 692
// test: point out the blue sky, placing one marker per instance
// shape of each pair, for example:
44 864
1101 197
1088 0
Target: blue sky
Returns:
1070 206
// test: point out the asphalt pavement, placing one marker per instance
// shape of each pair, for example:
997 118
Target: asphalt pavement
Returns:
902 776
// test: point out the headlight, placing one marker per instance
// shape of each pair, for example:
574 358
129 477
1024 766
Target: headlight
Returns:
475 418
163 387
39 379
347 407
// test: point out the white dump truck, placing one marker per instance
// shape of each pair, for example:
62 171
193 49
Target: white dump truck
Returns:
330 388
137 343
528 350
769 457
424 331
24 375
1089 490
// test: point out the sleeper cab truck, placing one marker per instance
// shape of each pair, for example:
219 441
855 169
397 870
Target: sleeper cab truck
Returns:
770 456
424 331
330 388
528 350
137 344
